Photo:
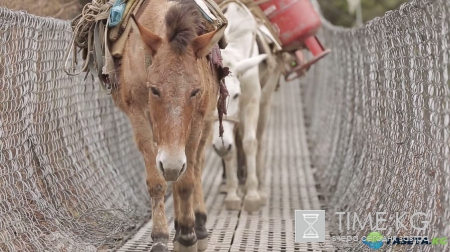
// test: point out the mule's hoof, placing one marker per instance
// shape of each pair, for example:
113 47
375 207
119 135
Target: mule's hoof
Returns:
251 203
262 198
182 248
159 247
176 246
240 193
233 203
243 189
202 244
223 188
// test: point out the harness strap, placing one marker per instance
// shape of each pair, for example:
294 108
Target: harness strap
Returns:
270 60
205 11
99 50
231 119
221 20
108 68
73 50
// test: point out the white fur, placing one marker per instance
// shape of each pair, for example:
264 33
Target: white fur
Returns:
171 164
252 108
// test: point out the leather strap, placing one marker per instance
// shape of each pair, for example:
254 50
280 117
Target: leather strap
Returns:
73 49
231 119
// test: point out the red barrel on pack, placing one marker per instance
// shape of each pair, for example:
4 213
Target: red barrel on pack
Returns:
295 20
297 23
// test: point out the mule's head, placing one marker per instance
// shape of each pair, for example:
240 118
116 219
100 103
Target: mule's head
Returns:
178 92
223 145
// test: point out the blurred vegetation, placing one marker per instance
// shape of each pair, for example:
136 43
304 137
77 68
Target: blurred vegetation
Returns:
337 11
62 9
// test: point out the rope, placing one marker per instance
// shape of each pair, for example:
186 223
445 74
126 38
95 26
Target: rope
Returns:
83 29
92 12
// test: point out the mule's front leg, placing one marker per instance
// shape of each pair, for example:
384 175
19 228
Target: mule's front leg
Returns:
264 113
155 182
232 201
185 218
199 211
160 232
260 167
199 205
250 146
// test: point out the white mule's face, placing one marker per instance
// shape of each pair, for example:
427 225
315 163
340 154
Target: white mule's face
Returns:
240 26
224 145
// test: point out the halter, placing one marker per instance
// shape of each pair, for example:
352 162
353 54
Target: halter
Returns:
231 119
223 5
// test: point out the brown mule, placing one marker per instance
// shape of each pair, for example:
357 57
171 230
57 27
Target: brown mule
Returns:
169 91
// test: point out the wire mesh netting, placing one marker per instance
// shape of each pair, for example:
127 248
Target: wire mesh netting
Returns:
378 109
71 178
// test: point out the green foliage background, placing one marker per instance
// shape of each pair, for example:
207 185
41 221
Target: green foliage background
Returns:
336 11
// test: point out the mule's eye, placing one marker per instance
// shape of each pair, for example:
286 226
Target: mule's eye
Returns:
155 91
194 93
235 96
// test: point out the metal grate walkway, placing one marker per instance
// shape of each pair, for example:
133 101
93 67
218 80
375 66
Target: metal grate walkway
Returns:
291 187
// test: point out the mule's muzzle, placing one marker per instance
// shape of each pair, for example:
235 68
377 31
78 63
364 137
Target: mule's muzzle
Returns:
171 166
223 149
172 174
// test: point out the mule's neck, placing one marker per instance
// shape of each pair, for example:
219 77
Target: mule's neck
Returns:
241 31
152 15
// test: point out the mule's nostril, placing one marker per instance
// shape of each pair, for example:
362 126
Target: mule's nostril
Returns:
182 170
229 147
161 167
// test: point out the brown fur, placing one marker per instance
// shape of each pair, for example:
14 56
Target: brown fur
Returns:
182 21
170 104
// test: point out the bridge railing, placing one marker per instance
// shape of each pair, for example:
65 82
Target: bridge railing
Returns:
71 178
378 110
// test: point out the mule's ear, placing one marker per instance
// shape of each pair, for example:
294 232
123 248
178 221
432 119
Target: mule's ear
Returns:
203 44
247 64
152 40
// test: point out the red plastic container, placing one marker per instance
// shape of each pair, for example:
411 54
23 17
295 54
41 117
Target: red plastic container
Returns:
295 19
297 22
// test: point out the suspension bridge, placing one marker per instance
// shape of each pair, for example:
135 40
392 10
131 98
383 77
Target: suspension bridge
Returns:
365 131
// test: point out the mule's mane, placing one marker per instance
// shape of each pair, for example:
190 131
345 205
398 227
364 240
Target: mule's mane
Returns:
182 22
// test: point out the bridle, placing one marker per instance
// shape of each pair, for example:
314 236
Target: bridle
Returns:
223 5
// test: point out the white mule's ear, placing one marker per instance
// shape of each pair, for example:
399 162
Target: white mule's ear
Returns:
247 64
